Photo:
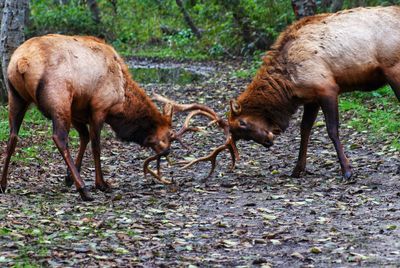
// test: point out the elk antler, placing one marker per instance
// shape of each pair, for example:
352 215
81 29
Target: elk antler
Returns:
157 175
186 128
211 114
212 157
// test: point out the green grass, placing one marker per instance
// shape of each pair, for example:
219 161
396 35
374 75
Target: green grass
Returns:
32 117
251 70
36 125
376 112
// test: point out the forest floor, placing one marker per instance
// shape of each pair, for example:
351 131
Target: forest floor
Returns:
253 216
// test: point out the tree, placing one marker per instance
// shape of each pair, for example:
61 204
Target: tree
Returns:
11 35
253 37
94 8
188 19
304 8
114 4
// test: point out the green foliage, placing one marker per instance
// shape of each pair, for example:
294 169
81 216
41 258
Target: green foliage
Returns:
34 124
376 112
144 27
134 26
72 18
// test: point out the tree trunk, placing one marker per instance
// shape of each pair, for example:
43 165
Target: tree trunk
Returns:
94 9
11 35
253 37
188 19
304 8
3 89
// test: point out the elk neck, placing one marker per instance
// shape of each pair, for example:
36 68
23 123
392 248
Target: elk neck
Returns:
270 95
137 117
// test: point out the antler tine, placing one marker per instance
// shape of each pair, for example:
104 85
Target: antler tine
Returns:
157 175
186 107
212 157
210 113
186 128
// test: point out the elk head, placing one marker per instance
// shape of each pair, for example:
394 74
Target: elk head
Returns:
251 126
160 139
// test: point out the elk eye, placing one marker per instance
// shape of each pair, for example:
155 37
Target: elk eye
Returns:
276 131
242 123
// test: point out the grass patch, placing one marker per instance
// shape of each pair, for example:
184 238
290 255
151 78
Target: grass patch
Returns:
251 70
37 126
32 117
376 112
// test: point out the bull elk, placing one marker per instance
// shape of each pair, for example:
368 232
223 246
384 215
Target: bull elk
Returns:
82 81
311 63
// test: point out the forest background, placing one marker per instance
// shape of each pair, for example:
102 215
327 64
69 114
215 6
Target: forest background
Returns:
192 30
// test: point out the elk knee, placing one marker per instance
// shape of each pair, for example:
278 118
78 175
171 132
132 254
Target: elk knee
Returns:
60 140
13 138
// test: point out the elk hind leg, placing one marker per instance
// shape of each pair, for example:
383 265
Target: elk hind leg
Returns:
329 105
95 130
83 141
60 137
55 101
16 110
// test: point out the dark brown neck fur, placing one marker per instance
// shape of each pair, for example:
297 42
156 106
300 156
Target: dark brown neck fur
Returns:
270 94
139 118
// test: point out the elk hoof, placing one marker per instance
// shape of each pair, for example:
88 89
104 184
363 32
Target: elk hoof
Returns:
297 172
104 187
3 189
85 195
68 180
347 174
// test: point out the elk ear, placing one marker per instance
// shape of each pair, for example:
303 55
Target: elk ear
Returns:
168 111
235 107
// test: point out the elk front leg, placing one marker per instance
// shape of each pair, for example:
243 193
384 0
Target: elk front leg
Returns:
16 110
309 116
60 137
83 141
329 105
95 130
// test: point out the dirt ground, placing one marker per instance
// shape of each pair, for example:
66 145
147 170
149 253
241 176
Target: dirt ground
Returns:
253 216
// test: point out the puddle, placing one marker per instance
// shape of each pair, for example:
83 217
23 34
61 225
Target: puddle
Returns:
146 72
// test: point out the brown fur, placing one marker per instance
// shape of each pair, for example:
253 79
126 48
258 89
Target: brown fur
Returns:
292 32
135 104
269 96
310 64
80 81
